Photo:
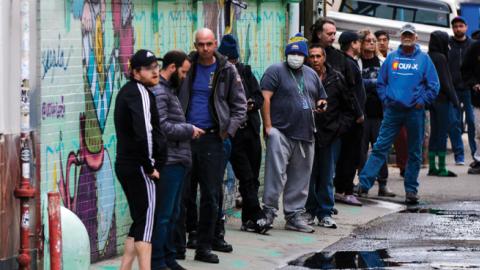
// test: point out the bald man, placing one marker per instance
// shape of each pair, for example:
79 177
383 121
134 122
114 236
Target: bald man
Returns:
213 99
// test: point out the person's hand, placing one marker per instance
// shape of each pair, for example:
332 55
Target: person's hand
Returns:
155 175
419 106
476 87
224 135
250 104
360 120
321 106
197 132
266 131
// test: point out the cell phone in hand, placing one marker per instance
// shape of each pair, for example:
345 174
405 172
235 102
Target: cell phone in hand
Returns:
321 107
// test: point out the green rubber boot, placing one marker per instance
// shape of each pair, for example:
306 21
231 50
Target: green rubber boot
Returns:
442 167
432 170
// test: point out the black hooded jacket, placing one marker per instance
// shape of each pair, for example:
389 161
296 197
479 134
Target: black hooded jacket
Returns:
438 52
471 71
457 52
340 114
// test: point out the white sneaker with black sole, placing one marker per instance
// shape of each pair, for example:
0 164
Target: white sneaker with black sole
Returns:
327 222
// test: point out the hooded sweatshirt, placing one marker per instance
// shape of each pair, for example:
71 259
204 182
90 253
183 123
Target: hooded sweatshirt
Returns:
438 52
406 80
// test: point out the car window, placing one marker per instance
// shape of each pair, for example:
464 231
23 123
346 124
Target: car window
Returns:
431 15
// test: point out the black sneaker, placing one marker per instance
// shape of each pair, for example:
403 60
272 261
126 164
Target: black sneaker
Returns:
362 193
192 240
180 256
384 191
474 170
474 164
411 198
221 245
206 256
260 226
176 267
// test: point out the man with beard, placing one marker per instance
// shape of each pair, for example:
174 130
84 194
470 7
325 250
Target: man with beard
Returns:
292 92
212 99
179 133
407 82
246 153
459 44
141 154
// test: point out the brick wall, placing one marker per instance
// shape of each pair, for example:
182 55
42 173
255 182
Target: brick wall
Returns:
85 46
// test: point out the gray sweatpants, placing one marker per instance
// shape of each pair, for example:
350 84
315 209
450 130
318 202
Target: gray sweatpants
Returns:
288 167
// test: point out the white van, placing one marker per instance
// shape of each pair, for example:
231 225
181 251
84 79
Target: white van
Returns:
390 15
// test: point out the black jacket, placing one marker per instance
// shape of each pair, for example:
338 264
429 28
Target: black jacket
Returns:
138 143
252 91
373 104
227 101
358 88
455 59
471 71
173 124
340 115
337 60
438 52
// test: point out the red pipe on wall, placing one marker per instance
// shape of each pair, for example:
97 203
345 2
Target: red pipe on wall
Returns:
24 192
55 230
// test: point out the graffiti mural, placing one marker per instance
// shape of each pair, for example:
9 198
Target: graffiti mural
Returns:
85 47
83 172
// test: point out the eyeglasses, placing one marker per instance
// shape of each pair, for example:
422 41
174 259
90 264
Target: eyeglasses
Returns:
370 40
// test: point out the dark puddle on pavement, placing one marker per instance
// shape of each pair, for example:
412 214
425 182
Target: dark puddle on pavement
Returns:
346 260
441 212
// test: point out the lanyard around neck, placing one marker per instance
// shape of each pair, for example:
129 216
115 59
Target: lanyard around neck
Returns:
301 84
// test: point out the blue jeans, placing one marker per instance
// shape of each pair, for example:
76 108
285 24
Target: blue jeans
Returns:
394 118
439 124
169 188
320 199
455 132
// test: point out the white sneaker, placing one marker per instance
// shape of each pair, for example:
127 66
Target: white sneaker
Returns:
327 222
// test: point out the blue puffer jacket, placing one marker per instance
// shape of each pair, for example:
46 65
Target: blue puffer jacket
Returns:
406 80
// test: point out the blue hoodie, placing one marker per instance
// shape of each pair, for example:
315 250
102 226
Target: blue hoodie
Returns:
407 79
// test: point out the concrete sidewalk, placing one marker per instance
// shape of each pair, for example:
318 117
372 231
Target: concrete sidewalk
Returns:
254 251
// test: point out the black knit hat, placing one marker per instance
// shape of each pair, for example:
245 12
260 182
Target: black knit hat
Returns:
229 47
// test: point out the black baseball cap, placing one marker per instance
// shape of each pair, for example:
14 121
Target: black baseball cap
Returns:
347 37
459 19
142 58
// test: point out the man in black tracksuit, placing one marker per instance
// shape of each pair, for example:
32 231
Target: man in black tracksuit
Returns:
246 153
351 142
141 154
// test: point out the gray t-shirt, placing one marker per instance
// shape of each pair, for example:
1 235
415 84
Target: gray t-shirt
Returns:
291 104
